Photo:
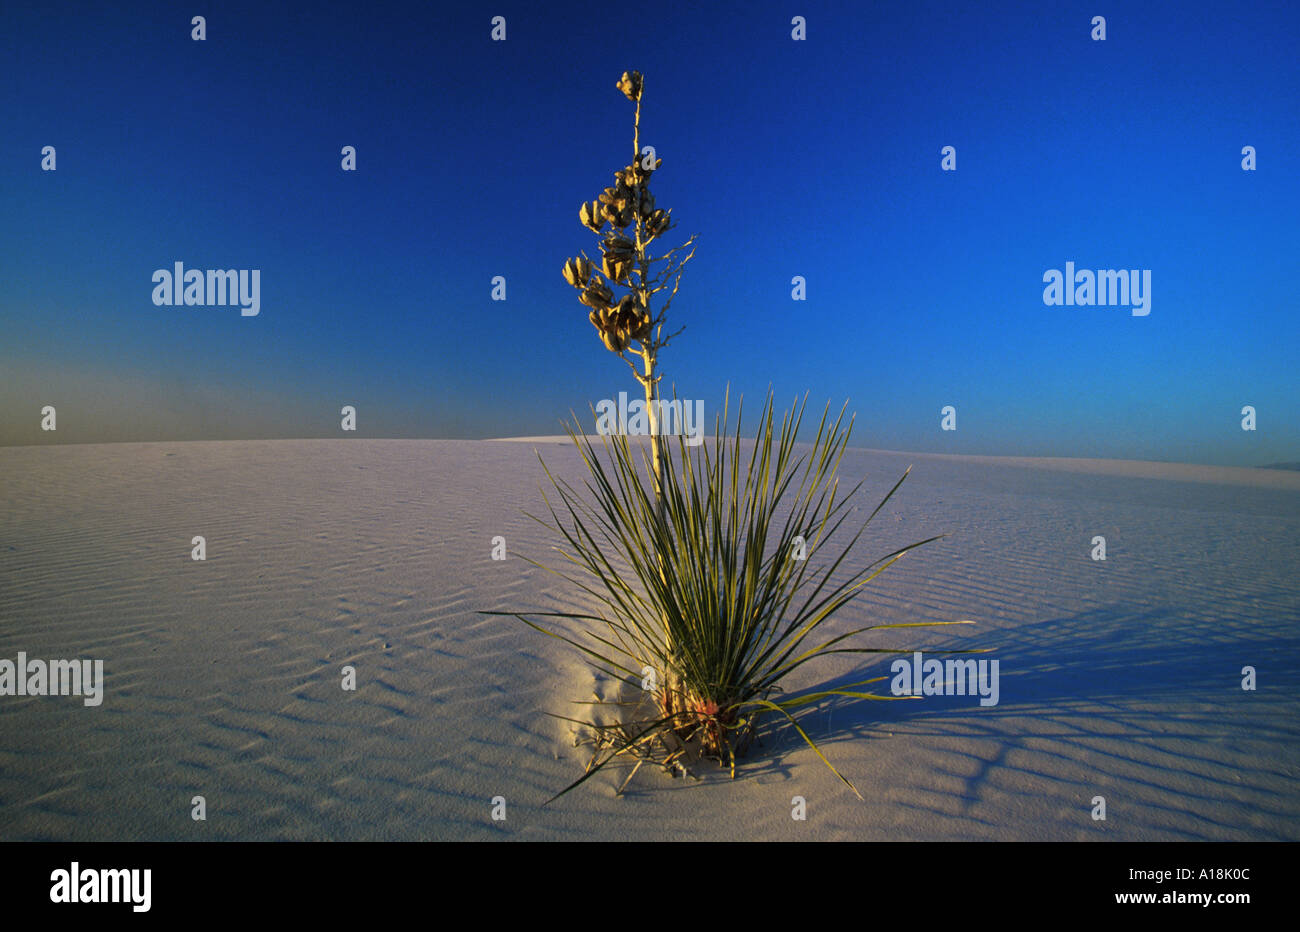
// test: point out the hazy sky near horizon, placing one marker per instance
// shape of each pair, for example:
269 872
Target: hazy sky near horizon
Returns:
817 158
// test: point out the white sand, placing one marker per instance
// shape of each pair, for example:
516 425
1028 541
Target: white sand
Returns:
1119 679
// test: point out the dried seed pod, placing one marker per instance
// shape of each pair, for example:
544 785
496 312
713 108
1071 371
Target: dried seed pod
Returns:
658 222
618 246
629 319
591 217
647 205
596 296
630 84
616 268
625 311
613 342
577 272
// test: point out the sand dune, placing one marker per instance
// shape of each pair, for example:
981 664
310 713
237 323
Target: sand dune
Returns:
222 677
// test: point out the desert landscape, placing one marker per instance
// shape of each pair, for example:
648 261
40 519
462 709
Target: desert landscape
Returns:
1121 678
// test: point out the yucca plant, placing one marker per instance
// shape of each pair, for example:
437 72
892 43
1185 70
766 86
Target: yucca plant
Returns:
706 566
731 586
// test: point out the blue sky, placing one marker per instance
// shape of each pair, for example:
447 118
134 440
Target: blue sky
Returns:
818 158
